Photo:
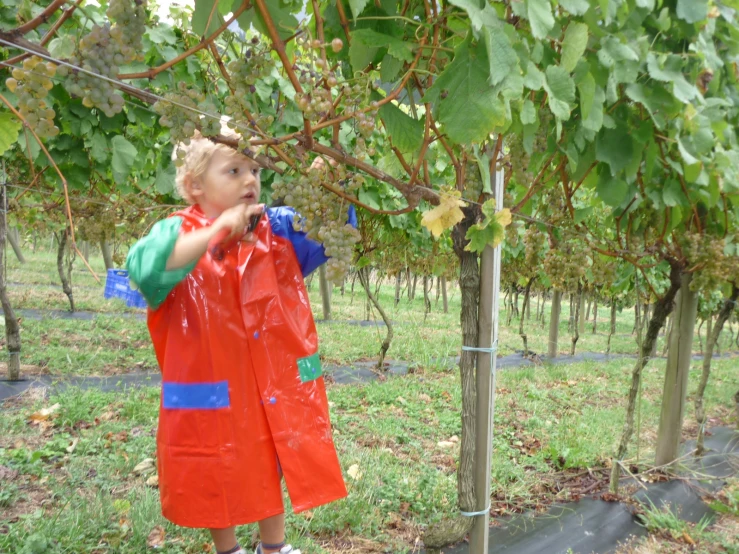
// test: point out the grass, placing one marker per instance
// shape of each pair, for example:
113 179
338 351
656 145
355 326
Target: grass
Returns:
75 484
669 534
68 483
114 341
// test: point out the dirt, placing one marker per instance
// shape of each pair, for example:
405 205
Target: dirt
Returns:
25 370
30 497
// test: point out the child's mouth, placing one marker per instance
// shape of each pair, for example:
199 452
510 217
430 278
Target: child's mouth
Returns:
249 196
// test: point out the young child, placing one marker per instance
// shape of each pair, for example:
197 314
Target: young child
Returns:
243 401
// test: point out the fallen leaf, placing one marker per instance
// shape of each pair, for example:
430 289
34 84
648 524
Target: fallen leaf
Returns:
156 537
73 445
153 481
354 472
688 538
445 444
401 400
454 438
424 397
44 414
145 466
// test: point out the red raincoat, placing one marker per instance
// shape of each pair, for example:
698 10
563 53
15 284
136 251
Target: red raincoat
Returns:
242 392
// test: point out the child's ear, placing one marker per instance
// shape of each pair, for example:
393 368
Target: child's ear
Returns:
192 185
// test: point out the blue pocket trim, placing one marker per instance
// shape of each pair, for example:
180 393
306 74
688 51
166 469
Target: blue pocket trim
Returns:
198 396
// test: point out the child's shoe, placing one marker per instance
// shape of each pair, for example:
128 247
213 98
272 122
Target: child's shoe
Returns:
287 549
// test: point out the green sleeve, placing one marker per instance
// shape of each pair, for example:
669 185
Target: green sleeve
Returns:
147 261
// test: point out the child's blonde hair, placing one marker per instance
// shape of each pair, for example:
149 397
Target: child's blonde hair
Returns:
197 157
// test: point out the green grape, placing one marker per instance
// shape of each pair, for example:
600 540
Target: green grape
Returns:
31 84
103 50
183 122
322 217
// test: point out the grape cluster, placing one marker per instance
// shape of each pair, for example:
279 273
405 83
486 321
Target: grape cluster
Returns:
472 182
533 240
322 217
707 253
566 264
519 157
103 50
245 72
315 104
129 27
97 228
183 122
604 271
512 234
519 160
32 83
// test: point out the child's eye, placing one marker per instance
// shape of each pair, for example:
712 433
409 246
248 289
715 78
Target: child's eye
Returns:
233 170
256 171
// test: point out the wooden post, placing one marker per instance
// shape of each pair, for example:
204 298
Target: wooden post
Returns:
107 254
444 296
676 377
554 323
13 237
325 293
12 329
488 324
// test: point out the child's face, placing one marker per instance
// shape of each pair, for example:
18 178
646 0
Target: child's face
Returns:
231 179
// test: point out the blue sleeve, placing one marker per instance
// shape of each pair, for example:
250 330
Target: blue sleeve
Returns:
310 253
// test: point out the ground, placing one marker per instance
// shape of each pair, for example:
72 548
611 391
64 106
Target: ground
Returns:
74 478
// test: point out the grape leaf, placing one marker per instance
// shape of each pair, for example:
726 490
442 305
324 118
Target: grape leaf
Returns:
479 17
573 45
470 110
645 96
161 34
528 113
406 132
444 216
10 126
500 54
586 87
489 232
225 7
357 6
672 194
534 78
615 147
575 7
540 17
390 68
611 190
165 179
692 11
668 69
203 10
561 90
62 47
124 154
284 20
400 49
99 148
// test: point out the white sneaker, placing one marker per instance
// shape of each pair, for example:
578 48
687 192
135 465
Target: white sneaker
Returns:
287 549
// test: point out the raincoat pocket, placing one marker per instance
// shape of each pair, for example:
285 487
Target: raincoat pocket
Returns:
309 368
196 418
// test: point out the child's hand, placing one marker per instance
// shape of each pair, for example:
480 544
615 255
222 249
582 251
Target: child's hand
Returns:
236 220
319 164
